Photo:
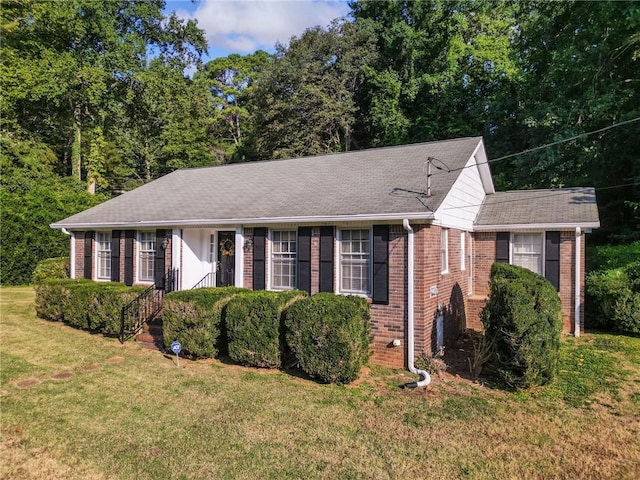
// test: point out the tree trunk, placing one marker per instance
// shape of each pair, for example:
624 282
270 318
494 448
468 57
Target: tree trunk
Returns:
76 163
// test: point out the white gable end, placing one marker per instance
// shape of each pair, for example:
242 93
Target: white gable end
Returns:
460 207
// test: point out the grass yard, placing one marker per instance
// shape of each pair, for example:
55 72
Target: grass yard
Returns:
81 406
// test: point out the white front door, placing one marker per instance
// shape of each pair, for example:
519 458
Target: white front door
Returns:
198 257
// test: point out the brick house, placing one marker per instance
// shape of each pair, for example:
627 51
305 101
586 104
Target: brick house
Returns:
413 228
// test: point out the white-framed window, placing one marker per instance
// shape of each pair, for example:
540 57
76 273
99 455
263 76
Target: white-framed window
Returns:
463 245
444 250
146 256
284 248
355 261
527 251
103 255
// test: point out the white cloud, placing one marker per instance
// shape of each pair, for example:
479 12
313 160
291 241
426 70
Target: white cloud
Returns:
248 25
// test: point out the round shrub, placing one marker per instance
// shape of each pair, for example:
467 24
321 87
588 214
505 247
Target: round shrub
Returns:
51 268
330 335
194 318
522 319
254 324
53 296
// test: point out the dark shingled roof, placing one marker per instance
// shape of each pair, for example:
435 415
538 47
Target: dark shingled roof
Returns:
564 206
345 184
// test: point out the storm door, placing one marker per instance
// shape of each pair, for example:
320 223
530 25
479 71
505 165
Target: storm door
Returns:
226 259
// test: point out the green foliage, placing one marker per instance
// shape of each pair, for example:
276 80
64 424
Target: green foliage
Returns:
613 299
606 257
51 268
330 336
93 306
254 323
32 197
195 319
522 319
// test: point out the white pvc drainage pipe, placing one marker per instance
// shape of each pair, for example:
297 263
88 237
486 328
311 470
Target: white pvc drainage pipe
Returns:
425 378
578 285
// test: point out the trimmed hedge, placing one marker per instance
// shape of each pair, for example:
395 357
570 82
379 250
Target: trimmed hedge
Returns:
522 320
330 335
254 323
194 318
613 299
50 269
84 304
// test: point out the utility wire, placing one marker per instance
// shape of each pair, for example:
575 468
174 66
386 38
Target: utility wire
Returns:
563 191
541 147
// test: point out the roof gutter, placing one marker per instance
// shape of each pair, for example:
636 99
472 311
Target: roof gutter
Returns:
535 226
257 220
425 377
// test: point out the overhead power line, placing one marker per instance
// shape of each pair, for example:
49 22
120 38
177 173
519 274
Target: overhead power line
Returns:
541 147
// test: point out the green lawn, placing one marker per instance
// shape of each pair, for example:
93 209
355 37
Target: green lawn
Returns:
125 412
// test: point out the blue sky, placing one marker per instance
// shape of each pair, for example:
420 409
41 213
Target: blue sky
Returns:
244 26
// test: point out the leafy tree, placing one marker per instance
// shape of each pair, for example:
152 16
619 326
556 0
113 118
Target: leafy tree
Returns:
304 102
32 197
231 81
68 65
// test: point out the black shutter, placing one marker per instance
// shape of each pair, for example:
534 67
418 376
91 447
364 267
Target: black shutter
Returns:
158 264
380 290
552 258
326 259
304 259
502 247
115 256
259 235
128 256
88 254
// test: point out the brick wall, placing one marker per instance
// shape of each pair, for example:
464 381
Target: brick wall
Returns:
248 260
79 257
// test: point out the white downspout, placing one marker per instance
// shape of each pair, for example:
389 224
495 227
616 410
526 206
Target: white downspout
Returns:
425 377
72 253
577 286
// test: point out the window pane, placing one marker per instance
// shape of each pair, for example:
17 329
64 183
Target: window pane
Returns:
147 256
354 261
103 244
283 259
527 251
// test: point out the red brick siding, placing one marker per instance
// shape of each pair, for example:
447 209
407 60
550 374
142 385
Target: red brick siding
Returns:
247 281
79 255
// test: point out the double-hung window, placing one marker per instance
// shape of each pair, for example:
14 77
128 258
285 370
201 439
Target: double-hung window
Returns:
355 259
283 259
146 256
527 251
103 247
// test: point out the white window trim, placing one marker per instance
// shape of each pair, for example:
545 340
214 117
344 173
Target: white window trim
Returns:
444 235
269 266
96 275
338 262
139 251
544 250
463 251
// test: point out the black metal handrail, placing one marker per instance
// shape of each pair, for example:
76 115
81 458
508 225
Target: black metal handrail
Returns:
209 280
144 308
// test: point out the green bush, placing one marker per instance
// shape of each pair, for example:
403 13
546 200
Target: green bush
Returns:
522 320
330 335
254 323
194 318
607 257
51 268
52 297
93 306
613 299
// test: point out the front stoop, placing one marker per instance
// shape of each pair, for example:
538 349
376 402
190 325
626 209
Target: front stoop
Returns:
151 335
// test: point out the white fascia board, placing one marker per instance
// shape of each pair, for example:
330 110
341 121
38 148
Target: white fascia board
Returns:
378 217
483 168
534 226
